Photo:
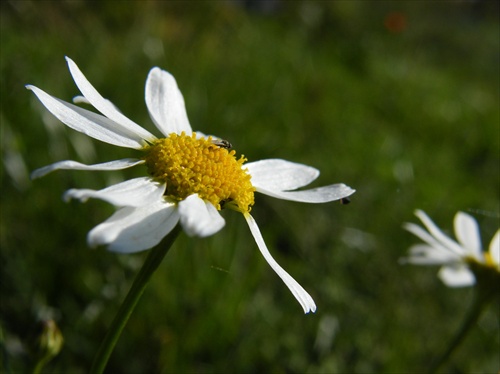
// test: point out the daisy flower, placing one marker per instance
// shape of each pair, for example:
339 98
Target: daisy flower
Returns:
190 177
461 262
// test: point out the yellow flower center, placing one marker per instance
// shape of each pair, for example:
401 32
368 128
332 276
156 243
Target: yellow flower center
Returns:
488 260
198 166
487 273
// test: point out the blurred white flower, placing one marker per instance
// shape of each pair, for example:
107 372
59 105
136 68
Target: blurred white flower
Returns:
461 261
191 176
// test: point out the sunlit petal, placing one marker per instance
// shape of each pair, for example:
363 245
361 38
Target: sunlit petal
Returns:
134 192
166 103
424 235
74 165
300 294
81 100
494 249
103 105
133 229
199 218
422 254
89 123
457 276
438 234
467 233
280 175
316 195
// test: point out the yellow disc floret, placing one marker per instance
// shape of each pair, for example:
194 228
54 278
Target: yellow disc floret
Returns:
198 166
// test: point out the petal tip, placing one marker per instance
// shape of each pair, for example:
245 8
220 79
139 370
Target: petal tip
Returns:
69 61
38 173
311 309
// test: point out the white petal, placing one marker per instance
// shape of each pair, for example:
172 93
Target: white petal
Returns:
467 233
439 235
135 192
132 229
89 123
423 254
316 195
81 100
494 249
457 276
300 294
199 218
73 165
426 237
280 175
166 103
201 135
103 105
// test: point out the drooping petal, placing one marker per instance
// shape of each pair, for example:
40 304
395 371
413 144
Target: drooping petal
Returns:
300 294
166 103
199 218
133 229
315 195
74 165
134 192
456 276
90 123
494 249
438 234
280 175
103 105
467 233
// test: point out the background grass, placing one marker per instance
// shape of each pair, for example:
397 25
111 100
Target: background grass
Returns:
396 99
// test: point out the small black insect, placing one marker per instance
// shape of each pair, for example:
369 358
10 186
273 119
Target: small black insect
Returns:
222 143
345 201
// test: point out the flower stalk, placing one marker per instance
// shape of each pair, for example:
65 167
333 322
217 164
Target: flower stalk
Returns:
482 296
153 260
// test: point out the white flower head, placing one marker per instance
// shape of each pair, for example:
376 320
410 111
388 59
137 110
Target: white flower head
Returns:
461 261
191 177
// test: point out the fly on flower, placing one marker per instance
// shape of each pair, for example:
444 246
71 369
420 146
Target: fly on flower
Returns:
188 181
222 143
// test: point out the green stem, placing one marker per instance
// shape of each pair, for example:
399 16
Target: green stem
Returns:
152 262
39 365
481 299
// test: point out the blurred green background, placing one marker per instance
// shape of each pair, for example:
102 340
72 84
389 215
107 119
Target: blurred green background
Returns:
397 99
